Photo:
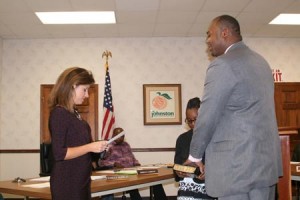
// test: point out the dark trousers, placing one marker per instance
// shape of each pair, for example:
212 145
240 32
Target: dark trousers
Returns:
158 192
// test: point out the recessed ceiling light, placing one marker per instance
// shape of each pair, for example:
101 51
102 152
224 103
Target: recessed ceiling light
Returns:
103 17
286 19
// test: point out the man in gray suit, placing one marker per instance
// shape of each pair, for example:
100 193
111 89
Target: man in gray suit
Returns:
239 130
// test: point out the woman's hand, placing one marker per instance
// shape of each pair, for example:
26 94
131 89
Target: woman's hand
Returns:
98 146
95 147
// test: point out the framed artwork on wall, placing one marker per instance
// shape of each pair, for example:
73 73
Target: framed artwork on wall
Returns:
162 104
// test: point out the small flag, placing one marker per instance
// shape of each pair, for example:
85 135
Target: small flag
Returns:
108 108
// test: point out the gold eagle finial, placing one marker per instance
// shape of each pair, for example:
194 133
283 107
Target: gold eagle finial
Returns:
106 54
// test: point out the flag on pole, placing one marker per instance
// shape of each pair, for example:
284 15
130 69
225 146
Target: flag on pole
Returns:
108 108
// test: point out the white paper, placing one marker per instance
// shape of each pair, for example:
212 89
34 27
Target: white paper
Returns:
148 167
47 178
98 177
116 137
38 185
126 171
106 172
44 178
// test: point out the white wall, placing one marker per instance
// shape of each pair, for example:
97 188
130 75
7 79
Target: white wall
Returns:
135 61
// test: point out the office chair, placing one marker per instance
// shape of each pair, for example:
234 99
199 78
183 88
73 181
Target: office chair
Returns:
46 159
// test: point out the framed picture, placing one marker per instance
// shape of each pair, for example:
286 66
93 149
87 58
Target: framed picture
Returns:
162 104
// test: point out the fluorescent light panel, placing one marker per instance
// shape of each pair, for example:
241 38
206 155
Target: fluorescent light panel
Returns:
103 17
286 19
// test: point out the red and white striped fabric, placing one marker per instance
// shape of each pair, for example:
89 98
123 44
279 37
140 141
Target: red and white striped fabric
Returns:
108 108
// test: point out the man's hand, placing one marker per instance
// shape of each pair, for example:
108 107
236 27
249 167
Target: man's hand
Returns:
182 174
197 164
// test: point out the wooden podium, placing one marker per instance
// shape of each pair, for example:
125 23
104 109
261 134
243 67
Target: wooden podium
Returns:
285 184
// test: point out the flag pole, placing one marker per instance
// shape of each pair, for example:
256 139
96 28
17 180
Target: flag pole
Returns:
108 108
106 54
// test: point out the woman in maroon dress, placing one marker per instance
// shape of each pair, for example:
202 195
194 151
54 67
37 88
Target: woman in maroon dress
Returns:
72 143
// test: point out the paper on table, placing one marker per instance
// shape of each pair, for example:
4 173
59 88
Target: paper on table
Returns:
106 172
98 177
44 178
129 172
38 185
159 165
154 167
47 178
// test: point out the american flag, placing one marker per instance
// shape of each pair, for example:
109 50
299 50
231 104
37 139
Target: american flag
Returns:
108 108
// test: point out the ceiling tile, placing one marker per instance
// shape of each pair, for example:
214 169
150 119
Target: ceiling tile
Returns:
267 6
169 30
22 18
92 5
4 30
137 5
225 5
107 30
7 6
293 7
181 5
49 6
22 31
131 30
206 17
140 17
146 18
198 30
176 17
271 31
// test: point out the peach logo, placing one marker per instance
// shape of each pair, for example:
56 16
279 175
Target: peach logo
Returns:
160 102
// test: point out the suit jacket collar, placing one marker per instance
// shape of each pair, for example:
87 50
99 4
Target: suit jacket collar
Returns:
235 45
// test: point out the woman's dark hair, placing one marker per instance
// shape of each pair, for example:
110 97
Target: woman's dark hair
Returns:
193 103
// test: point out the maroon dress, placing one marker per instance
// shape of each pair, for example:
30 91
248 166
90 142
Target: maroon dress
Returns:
70 179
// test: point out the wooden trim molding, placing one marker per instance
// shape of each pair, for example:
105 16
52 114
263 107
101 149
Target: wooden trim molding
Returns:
288 128
133 149
152 149
19 151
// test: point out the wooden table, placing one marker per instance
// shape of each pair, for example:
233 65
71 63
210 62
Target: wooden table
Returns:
98 187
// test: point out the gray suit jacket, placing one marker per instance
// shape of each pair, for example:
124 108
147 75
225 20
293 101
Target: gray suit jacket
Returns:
236 125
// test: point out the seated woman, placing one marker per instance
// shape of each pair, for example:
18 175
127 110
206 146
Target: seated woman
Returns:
189 188
119 155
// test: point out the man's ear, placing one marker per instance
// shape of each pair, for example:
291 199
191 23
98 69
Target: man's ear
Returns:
225 32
